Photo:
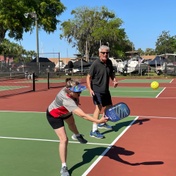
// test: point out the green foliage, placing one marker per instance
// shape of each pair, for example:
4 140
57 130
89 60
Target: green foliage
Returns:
13 22
149 51
166 43
12 49
94 26
7 48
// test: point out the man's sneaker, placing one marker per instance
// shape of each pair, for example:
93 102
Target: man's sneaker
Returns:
64 171
79 138
105 126
96 134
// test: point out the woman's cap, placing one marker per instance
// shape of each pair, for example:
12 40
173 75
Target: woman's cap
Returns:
77 88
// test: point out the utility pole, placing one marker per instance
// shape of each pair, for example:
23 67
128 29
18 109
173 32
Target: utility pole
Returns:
34 16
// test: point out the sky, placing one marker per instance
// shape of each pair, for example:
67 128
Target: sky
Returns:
143 22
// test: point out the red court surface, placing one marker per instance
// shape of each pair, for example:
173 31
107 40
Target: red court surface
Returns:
145 149
148 147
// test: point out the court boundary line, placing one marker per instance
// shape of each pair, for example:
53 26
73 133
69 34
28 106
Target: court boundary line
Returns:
160 92
49 140
21 111
141 79
131 115
157 117
109 147
171 80
166 97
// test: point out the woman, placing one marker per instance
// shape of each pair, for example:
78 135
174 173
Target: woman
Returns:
61 110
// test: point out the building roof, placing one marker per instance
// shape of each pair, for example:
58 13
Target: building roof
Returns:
146 57
56 60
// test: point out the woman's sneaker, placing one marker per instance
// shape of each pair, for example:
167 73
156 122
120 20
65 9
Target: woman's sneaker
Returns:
64 171
79 138
104 126
96 134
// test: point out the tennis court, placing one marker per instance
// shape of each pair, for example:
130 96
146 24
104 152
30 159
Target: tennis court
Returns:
142 144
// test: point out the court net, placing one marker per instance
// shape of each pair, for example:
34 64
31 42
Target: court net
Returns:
13 84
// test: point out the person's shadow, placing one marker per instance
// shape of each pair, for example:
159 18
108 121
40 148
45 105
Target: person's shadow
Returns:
116 151
119 125
114 154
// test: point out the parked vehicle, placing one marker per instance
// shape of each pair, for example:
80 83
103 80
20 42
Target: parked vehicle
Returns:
116 63
134 65
79 67
164 64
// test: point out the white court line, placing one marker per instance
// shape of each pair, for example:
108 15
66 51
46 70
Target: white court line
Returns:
160 92
171 80
48 140
109 147
150 91
22 111
166 97
156 117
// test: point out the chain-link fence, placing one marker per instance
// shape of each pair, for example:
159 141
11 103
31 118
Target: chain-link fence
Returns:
14 64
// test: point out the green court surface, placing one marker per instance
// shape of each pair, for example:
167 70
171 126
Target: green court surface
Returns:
50 80
29 146
11 87
144 80
145 92
137 92
42 81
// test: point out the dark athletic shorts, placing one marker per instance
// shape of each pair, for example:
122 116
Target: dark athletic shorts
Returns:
103 99
57 122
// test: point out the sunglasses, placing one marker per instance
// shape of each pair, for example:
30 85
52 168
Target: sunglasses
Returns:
104 53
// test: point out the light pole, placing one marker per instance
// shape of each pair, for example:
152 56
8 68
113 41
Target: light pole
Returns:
34 16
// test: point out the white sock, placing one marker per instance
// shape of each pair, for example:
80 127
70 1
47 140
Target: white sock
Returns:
94 127
64 165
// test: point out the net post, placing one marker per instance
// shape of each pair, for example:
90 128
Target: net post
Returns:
48 75
33 81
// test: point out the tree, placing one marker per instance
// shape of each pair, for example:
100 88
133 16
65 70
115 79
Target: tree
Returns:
91 27
13 22
165 43
7 48
149 51
11 49
140 51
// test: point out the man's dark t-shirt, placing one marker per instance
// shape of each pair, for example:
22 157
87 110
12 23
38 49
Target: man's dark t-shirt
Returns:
101 74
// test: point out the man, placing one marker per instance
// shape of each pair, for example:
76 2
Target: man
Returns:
98 80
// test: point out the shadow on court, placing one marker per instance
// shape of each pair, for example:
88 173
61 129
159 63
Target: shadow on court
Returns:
114 153
120 125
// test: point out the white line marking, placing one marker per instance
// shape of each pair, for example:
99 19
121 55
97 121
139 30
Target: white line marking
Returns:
166 97
103 154
21 111
149 91
48 140
160 92
157 117
171 80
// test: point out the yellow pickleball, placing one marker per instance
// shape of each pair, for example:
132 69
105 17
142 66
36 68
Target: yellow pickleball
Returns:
154 85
